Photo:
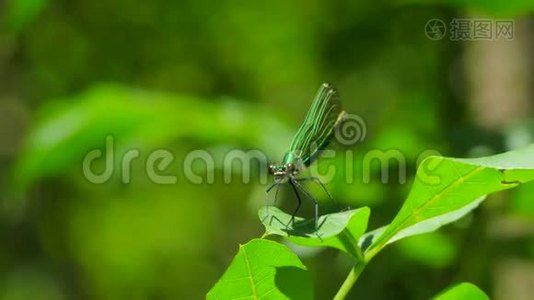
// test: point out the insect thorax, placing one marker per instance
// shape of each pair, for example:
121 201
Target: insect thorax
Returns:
291 165
293 158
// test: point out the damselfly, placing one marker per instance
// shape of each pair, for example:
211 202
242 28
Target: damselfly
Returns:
313 136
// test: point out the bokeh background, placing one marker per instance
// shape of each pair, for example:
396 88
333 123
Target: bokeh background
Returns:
223 75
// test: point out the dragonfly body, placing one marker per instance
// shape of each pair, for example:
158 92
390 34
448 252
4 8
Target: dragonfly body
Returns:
291 165
313 136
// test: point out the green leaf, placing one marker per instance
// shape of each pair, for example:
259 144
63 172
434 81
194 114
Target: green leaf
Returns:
338 230
264 269
445 189
425 226
464 290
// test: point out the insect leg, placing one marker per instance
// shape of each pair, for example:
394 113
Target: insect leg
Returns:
271 187
275 184
292 184
315 203
318 181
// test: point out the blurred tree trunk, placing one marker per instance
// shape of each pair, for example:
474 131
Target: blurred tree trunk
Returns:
499 77
499 74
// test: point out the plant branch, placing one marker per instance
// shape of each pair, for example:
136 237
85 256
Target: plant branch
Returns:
350 280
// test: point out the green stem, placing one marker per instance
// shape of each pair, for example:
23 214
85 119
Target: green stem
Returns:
350 280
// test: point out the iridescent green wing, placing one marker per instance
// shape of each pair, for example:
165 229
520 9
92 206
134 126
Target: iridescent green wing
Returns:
318 127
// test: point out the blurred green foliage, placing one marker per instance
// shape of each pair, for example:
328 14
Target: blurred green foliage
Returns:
216 76
462 291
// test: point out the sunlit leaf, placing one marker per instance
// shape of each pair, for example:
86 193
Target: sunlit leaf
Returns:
445 189
338 230
264 269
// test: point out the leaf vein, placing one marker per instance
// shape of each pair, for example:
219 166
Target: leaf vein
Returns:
253 286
